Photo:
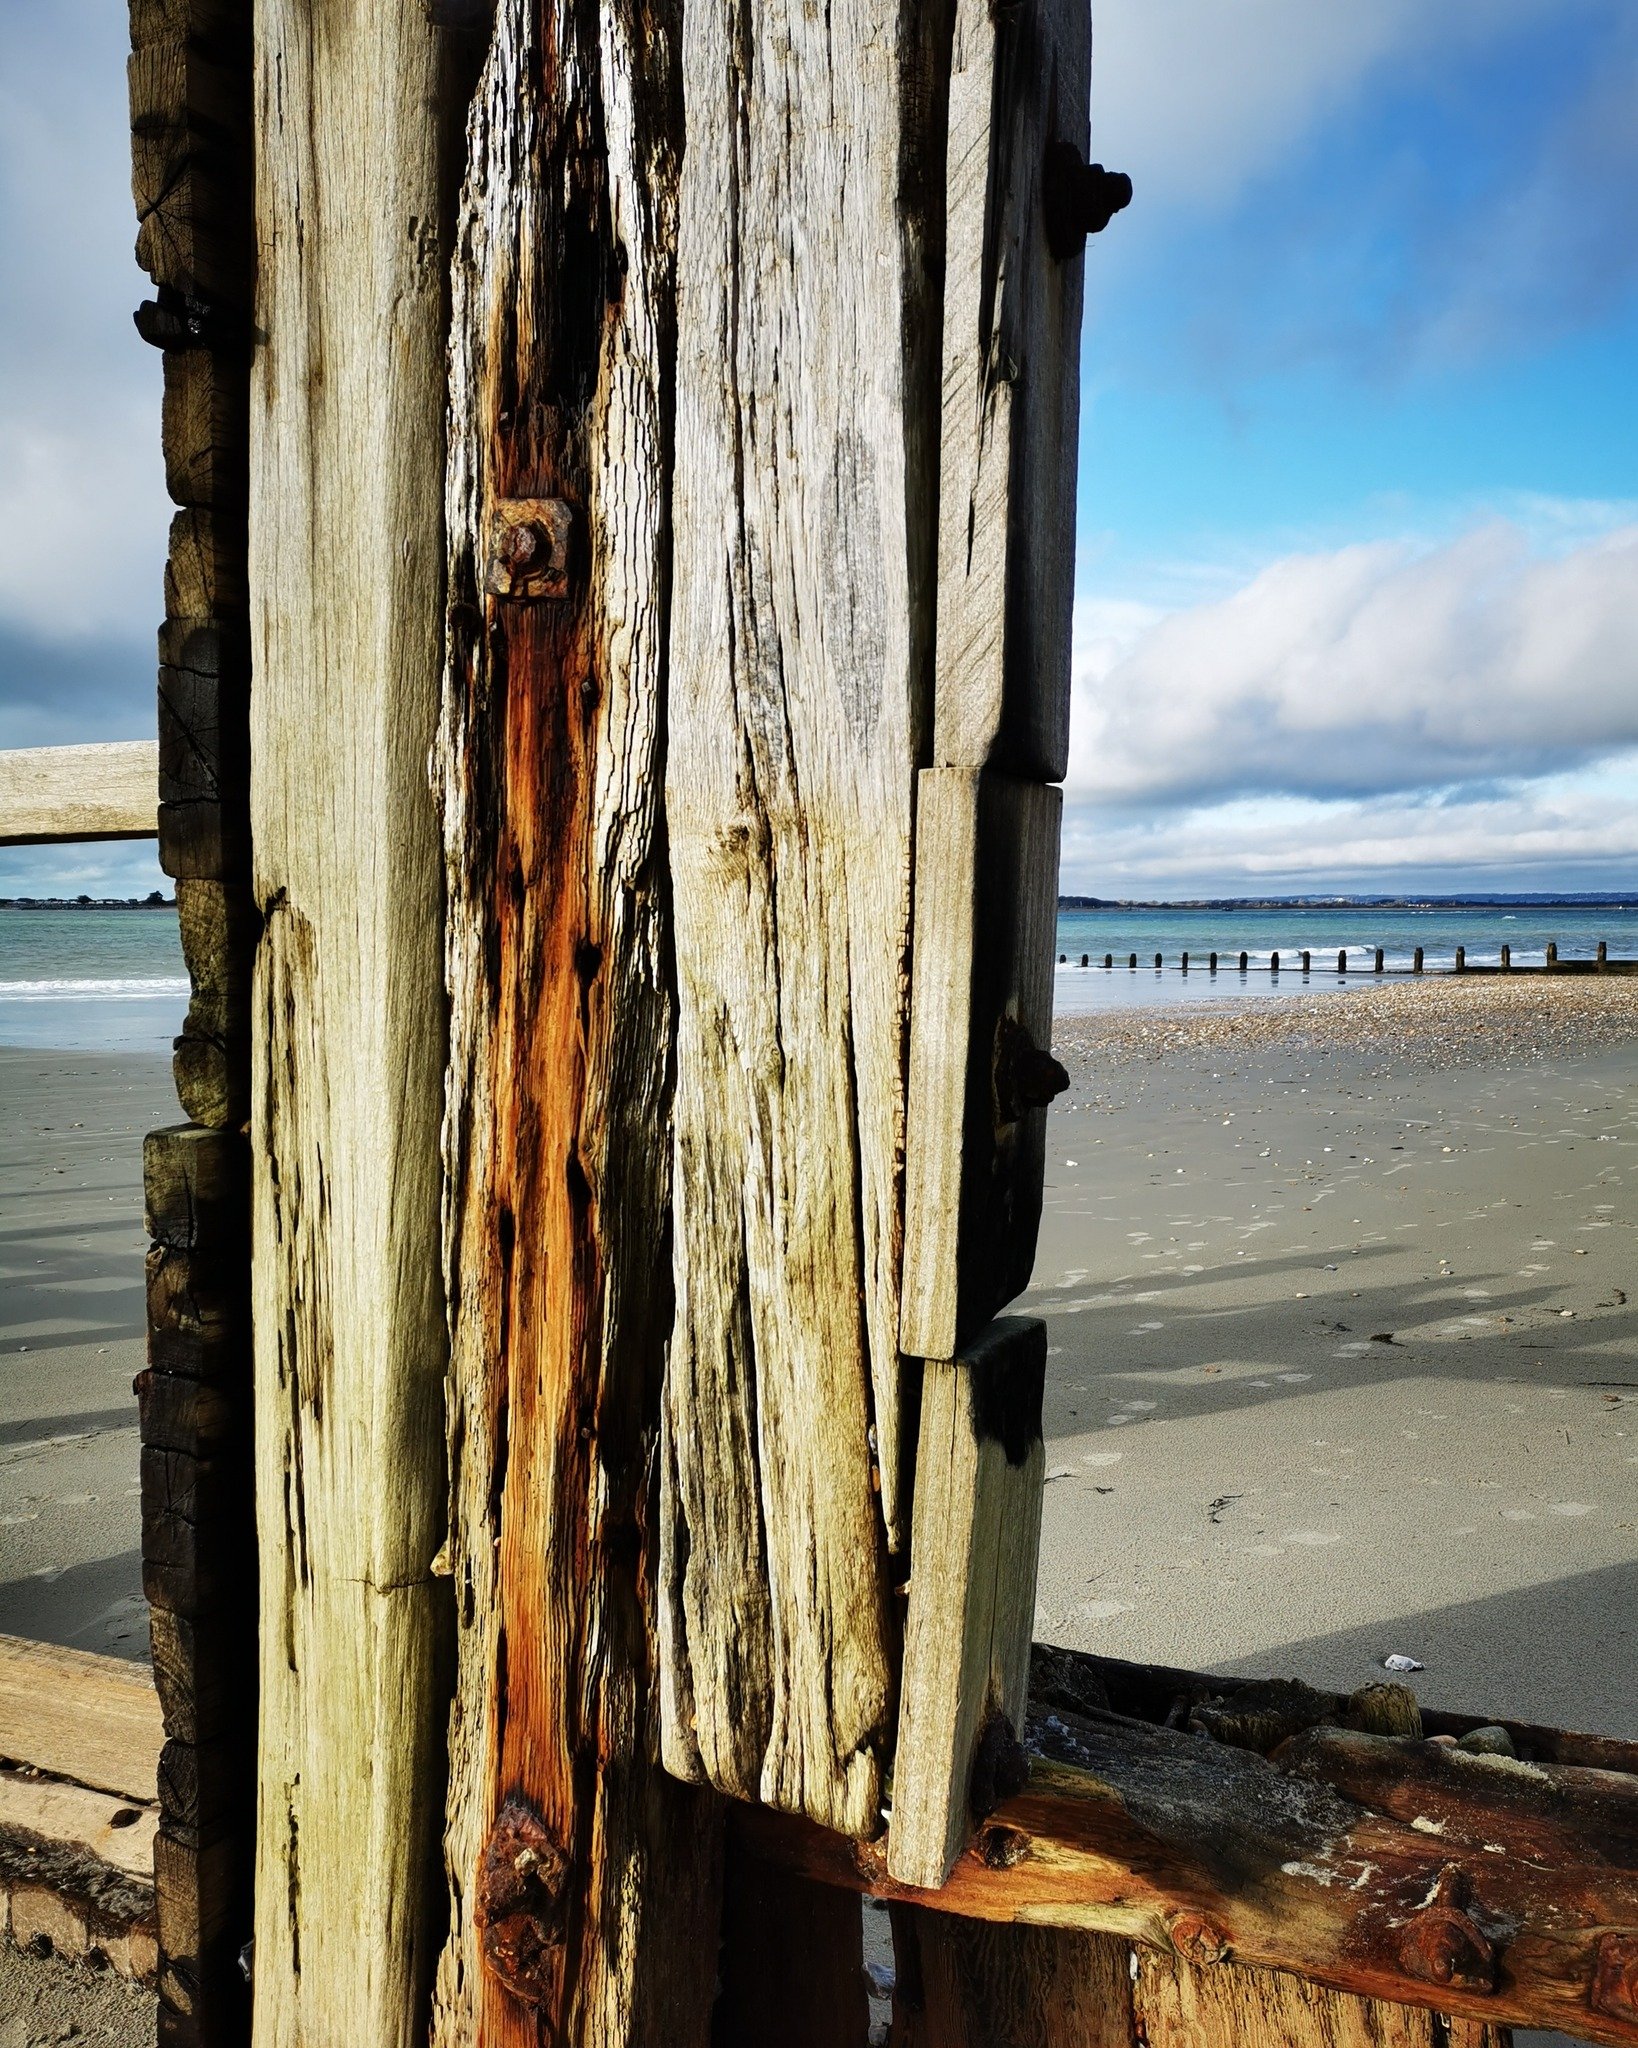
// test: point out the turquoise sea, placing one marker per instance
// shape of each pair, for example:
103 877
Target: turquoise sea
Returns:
113 979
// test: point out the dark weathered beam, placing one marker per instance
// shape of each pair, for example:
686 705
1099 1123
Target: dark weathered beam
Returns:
1488 1908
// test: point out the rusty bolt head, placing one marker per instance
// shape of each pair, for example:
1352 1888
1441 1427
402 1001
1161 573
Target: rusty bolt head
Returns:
1444 1944
519 1903
1197 1938
1079 199
530 546
1026 1078
1615 1977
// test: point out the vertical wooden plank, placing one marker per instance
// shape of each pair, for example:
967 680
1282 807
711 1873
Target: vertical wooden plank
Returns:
548 763
974 1984
1011 399
798 698
979 1469
980 1020
1185 2005
346 574
792 1960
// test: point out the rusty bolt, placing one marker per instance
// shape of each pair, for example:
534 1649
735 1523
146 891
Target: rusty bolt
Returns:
1079 199
1025 1077
530 544
519 1903
1197 1938
1443 1943
1615 1977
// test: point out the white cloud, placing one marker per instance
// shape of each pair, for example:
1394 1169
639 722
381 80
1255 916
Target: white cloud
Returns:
1575 831
1195 98
1370 669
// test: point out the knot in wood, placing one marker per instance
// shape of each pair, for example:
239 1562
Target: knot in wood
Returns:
1078 199
1025 1077
1615 1977
1444 1944
519 1904
1000 1767
1197 1938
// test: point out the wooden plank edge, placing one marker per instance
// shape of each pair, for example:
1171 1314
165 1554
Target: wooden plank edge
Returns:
50 795
60 1893
91 1719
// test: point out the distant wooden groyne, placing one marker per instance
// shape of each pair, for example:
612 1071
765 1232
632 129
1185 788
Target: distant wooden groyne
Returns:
1302 965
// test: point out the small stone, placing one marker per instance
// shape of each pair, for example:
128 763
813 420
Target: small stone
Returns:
1488 1741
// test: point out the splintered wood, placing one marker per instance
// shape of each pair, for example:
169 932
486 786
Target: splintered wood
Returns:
346 573
582 1880
801 640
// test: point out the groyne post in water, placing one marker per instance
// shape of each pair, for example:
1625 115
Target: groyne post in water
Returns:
1214 963
1552 956
1507 959
1305 962
1086 959
1108 959
1273 963
1603 955
1379 959
1157 963
1185 963
1131 960
1461 959
1342 960
1416 964
1242 963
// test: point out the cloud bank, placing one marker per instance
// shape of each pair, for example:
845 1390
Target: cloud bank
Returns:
1386 706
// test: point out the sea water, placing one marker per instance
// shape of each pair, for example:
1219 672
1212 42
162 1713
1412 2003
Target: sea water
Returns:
91 979
113 979
1324 930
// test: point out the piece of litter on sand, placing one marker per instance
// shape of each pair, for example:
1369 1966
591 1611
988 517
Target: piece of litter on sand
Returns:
1060 1472
1399 1662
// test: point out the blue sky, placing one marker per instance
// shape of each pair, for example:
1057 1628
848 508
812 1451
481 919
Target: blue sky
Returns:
1357 595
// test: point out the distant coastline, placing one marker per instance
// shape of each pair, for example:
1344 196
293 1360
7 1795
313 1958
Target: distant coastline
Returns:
155 901
1614 899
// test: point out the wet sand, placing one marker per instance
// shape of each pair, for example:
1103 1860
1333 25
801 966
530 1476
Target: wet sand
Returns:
1342 1361
71 1341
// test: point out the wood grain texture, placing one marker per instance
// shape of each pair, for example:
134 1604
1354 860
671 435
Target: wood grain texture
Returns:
967 1984
556 1138
986 916
980 1465
92 1719
792 1969
801 640
49 794
1011 394
346 576
71 1817
1223 2006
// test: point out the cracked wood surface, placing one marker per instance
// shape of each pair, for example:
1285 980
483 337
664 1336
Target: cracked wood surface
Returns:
556 1140
800 649
346 573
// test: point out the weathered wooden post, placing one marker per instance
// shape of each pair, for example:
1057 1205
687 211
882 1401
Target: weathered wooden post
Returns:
353 116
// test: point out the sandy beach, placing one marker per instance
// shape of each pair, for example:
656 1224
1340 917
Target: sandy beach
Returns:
1342 1361
71 1340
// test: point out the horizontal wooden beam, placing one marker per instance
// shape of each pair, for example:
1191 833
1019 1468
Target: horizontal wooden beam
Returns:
92 1719
52 794
1309 1861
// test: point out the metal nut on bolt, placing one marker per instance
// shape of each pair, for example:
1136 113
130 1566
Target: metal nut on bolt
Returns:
1026 1077
1080 199
531 545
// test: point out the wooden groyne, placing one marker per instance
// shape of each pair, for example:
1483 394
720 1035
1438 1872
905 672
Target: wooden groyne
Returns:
1378 969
